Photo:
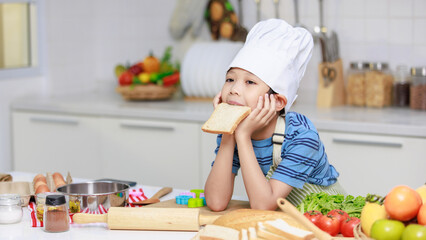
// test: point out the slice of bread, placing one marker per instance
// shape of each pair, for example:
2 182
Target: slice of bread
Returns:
225 118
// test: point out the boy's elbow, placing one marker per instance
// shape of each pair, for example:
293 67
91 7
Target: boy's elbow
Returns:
217 205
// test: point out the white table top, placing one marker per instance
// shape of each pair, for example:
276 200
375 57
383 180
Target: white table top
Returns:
23 229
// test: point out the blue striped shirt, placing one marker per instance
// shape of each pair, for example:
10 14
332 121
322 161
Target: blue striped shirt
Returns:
303 154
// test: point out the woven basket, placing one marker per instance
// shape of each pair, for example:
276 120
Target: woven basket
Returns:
358 234
146 92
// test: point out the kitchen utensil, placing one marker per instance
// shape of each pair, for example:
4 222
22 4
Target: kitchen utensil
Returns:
331 88
156 197
130 183
287 207
257 10
95 196
276 6
175 219
166 215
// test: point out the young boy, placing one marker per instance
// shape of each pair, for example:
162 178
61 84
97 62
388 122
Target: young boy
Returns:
265 76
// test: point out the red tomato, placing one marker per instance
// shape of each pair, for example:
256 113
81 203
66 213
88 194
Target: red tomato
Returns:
329 224
347 226
313 216
421 215
125 78
339 214
402 203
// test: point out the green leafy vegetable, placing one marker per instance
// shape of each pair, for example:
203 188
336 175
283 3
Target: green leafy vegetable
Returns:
325 202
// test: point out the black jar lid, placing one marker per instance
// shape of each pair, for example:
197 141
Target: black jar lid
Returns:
55 200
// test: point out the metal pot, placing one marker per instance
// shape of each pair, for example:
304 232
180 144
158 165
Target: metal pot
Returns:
95 197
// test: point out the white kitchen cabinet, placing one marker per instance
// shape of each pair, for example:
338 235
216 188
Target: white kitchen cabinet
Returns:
151 152
370 163
50 142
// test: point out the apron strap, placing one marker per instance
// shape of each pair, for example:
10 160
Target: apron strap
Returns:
277 140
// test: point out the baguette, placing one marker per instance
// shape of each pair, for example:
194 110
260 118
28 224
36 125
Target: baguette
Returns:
225 118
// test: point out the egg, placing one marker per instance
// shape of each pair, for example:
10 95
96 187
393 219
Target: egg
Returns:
39 183
58 176
42 188
40 177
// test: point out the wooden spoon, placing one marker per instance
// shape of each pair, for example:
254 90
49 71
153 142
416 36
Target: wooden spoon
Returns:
156 197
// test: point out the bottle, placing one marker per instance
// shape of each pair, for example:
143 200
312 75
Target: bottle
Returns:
402 86
10 208
418 88
55 216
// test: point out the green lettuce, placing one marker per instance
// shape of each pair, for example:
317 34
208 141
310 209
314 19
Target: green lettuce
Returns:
325 202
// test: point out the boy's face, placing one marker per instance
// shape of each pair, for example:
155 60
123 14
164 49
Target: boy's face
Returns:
243 88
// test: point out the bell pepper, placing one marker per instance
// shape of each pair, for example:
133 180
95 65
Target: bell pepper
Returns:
144 78
171 79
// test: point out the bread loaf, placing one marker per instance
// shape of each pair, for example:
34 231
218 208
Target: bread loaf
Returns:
225 118
246 218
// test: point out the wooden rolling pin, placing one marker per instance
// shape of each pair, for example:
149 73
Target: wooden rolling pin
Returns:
173 219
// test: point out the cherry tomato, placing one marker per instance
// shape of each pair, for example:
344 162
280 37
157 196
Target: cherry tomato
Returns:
421 215
125 78
414 232
385 229
313 216
329 224
348 225
402 203
339 214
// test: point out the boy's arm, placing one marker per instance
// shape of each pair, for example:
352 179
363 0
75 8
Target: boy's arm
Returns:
263 194
220 182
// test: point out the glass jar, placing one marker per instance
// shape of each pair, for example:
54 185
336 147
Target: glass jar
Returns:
40 202
355 84
10 208
379 84
402 86
418 88
55 216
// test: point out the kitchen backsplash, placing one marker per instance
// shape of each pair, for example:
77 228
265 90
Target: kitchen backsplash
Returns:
87 38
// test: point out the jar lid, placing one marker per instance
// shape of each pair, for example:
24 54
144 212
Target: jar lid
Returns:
378 66
10 199
418 72
55 200
358 65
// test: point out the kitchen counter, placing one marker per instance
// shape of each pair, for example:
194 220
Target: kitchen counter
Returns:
23 229
386 121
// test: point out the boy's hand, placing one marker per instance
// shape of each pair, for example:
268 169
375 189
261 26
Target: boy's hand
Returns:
259 118
217 99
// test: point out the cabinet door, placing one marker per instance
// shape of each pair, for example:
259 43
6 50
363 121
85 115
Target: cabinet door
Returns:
56 143
158 153
208 145
375 164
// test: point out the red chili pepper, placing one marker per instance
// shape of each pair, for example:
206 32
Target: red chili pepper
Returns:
171 79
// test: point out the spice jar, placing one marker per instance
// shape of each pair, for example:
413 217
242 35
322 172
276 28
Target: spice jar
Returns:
356 83
55 217
402 86
379 83
418 88
10 208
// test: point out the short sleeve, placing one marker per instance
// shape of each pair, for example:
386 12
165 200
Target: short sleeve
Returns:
235 161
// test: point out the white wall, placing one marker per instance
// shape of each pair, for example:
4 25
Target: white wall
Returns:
86 39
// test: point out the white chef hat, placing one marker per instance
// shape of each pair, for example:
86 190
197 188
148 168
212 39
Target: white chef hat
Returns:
278 54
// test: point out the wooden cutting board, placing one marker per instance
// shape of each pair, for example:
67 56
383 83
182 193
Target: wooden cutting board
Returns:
207 216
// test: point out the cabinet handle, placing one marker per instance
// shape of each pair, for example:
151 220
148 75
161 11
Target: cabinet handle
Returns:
148 126
54 120
369 143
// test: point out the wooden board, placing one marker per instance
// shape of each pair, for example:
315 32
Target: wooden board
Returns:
207 216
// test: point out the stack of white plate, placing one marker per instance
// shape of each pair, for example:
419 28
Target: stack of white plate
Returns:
204 67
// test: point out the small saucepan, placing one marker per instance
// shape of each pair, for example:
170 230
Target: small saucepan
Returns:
95 197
